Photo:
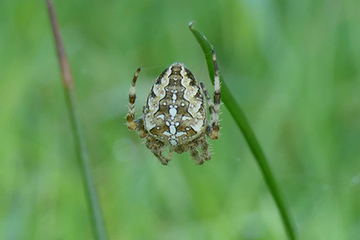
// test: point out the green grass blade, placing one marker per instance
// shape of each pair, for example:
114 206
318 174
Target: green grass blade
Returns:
240 119
97 222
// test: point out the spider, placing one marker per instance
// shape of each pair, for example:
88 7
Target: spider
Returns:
175 114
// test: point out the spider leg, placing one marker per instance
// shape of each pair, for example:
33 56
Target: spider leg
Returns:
168 157
214 107
194 152
157 148
205 151
209 128
217 96
131 124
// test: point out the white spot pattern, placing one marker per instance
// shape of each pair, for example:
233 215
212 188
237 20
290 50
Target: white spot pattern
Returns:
172 112
172 129
166 90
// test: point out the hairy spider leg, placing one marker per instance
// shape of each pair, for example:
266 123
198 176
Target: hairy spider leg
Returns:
217 97
157 148
194 152
214 107
131 124
205 151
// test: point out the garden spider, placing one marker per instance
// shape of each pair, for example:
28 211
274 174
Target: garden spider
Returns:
175 114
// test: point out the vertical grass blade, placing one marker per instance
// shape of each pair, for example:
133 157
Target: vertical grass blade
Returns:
240 119
97 222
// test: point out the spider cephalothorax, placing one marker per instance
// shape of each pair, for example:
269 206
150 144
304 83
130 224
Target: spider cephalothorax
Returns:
175 114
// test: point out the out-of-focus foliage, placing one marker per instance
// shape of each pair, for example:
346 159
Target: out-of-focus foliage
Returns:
292 65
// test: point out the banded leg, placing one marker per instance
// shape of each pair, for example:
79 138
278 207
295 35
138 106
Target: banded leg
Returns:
194 152
157 148
205 151
214 107
209 128
131 124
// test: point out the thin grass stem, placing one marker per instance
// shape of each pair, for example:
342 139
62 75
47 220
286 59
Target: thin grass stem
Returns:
97 222
240 119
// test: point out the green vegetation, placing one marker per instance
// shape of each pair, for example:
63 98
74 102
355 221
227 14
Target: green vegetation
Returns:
243 124
293 66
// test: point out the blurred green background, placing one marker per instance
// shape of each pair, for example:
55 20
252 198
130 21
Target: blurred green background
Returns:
293 66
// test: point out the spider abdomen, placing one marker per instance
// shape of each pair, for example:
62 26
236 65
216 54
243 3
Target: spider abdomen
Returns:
175 111
175 114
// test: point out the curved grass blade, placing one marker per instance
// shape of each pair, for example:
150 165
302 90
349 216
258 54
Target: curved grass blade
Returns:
240 119
97 222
